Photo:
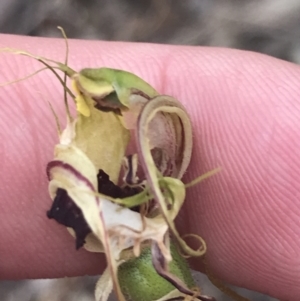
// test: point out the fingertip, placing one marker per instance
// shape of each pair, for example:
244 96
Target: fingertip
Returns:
244 108
249 124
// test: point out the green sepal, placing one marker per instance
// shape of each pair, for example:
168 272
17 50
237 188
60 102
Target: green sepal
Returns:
139 280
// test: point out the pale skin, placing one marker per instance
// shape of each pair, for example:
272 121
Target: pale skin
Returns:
245 112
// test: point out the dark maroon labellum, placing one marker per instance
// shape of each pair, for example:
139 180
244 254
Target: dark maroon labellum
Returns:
67 213
107 187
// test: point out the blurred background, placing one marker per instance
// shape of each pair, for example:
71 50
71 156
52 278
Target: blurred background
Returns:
267 26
